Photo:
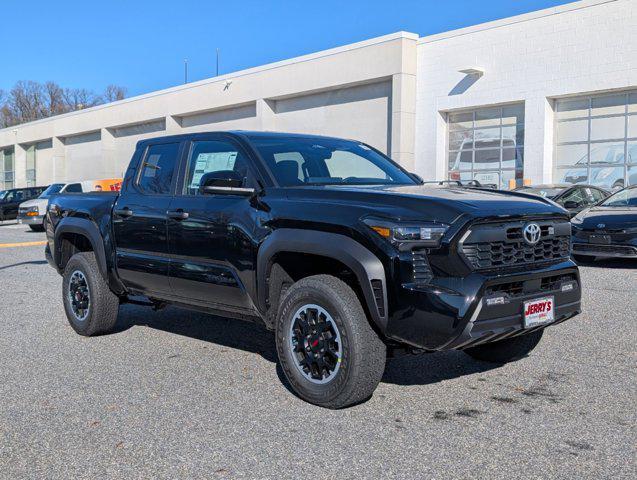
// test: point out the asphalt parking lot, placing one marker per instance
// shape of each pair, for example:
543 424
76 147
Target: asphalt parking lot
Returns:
177 394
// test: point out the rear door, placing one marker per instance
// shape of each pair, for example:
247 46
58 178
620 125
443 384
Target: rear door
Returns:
139 220
213 247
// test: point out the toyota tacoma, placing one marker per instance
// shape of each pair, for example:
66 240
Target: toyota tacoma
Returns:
341 252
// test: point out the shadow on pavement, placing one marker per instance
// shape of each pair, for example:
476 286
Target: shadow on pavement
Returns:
254 338
33 262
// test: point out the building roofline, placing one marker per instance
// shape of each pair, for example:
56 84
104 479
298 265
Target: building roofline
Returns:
525 17
230 76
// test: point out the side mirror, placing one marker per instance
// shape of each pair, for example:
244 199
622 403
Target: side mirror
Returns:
571 205
223 182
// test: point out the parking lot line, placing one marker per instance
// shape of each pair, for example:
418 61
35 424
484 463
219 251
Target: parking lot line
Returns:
22 244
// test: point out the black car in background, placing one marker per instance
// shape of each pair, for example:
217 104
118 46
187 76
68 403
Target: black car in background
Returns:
12 198
609 229
573 198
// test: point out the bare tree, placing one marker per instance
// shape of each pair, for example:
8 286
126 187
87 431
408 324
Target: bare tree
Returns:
114 93
29 100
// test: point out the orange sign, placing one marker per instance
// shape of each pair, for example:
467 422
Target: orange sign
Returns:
107 185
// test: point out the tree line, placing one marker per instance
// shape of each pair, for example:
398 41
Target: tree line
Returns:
28 101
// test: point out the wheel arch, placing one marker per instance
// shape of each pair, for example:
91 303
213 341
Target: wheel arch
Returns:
74 235
367 268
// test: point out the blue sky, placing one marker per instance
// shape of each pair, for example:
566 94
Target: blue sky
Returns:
142 44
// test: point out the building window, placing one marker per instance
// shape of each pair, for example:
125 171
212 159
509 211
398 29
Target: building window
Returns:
31 166
596 140
487 145
6 169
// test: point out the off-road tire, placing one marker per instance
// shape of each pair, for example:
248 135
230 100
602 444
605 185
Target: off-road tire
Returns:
363 352
506 350
104 304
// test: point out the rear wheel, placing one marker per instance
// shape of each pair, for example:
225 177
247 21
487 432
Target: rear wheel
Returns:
506 350
90 306
328 351
37 228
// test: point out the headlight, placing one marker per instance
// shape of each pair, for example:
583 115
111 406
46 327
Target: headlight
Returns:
32 211
426 234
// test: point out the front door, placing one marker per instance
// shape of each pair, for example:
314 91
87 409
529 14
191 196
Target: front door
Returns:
211 237
139 221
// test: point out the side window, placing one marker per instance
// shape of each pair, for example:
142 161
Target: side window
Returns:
157 168
208 156
10 196
597 195
577 195
74 188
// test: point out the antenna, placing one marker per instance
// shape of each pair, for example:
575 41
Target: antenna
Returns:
217 62
185 70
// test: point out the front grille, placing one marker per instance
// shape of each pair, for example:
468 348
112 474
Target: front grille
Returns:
615 249
502 245
421 269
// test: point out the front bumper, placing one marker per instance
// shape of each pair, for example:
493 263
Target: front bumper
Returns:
35 220
452 313
626 249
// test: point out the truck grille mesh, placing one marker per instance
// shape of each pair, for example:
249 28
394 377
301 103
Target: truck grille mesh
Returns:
511 250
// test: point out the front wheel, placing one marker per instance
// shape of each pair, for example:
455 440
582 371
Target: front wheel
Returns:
90 306
507 350
328 351
37 228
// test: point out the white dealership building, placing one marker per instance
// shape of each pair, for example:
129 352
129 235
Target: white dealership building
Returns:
548 96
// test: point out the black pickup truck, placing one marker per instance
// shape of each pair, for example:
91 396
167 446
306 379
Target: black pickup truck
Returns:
328 242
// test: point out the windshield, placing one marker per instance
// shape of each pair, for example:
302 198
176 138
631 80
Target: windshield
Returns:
301 161
623 198
51 190
543 192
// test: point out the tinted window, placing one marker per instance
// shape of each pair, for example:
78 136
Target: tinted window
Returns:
324 161
74 188
215 156
157 168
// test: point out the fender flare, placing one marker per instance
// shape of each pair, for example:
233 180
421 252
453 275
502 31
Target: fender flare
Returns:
88 229
365 265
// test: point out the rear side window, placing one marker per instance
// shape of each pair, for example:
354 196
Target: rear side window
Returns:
157 168
74 187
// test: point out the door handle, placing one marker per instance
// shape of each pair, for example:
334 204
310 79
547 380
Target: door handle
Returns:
123 212
178 214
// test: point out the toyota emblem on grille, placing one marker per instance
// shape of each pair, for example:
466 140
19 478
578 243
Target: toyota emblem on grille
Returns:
532 233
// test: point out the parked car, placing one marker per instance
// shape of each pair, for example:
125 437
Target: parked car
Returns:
32 212
573 198
328 242
11 199
609 229
607 167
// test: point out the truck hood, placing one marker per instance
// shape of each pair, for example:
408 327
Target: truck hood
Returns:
613 218
435 203
41 203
